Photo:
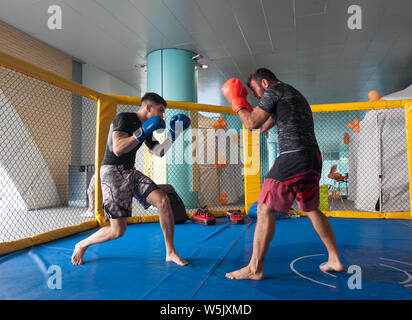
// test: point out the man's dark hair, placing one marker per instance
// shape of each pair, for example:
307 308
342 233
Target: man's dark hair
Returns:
260 74
154 98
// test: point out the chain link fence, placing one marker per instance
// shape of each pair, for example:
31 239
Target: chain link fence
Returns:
46 156
219 154
364 160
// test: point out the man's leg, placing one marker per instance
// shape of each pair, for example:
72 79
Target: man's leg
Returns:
158 199
264 231
114 231
323 228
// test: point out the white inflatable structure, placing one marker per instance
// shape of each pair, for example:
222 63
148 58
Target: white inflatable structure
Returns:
378 170
400 95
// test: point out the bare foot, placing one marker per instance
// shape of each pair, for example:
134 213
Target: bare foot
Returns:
244 274
332 266
77 256
174 257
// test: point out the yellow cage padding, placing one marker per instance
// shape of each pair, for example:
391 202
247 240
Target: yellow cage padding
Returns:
11 246
106 111
35 72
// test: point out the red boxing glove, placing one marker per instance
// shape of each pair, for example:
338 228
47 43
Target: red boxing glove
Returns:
236 94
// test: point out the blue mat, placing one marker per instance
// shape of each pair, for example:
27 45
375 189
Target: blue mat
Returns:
133 266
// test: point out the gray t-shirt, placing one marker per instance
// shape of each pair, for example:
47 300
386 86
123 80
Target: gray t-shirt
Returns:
293 116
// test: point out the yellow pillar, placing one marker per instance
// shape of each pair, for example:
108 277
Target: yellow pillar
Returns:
408 128
251 166
106 111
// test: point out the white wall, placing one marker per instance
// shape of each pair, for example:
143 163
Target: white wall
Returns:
23 169
120 88
103 82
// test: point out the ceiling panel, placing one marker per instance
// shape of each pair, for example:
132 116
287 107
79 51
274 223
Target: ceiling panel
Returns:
374 54
279 13
283 39
130 16
355 52
228 68
392 26
87 41
20 13
210 45
281 23
76 31
320 59
246 65
102 15
282 62
309 30
335 28
189 15
252 23
223 23
307 43
309 7
402 7
400 54
162 19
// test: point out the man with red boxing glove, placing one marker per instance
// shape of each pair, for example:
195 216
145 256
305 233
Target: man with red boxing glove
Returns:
295 173
121 181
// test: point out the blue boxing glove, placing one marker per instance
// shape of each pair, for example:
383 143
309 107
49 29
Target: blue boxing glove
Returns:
178 124
148 127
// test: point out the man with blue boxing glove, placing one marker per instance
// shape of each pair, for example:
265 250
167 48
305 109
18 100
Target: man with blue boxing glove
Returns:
121 181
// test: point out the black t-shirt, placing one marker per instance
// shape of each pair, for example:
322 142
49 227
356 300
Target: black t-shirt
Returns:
126 122
293 116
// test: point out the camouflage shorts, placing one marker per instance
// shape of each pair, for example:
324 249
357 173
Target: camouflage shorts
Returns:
119 186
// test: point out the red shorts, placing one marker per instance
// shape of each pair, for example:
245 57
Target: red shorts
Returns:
293 176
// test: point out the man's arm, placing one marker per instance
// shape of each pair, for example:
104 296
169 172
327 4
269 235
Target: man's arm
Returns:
236 94
255 119
270 123
122 143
